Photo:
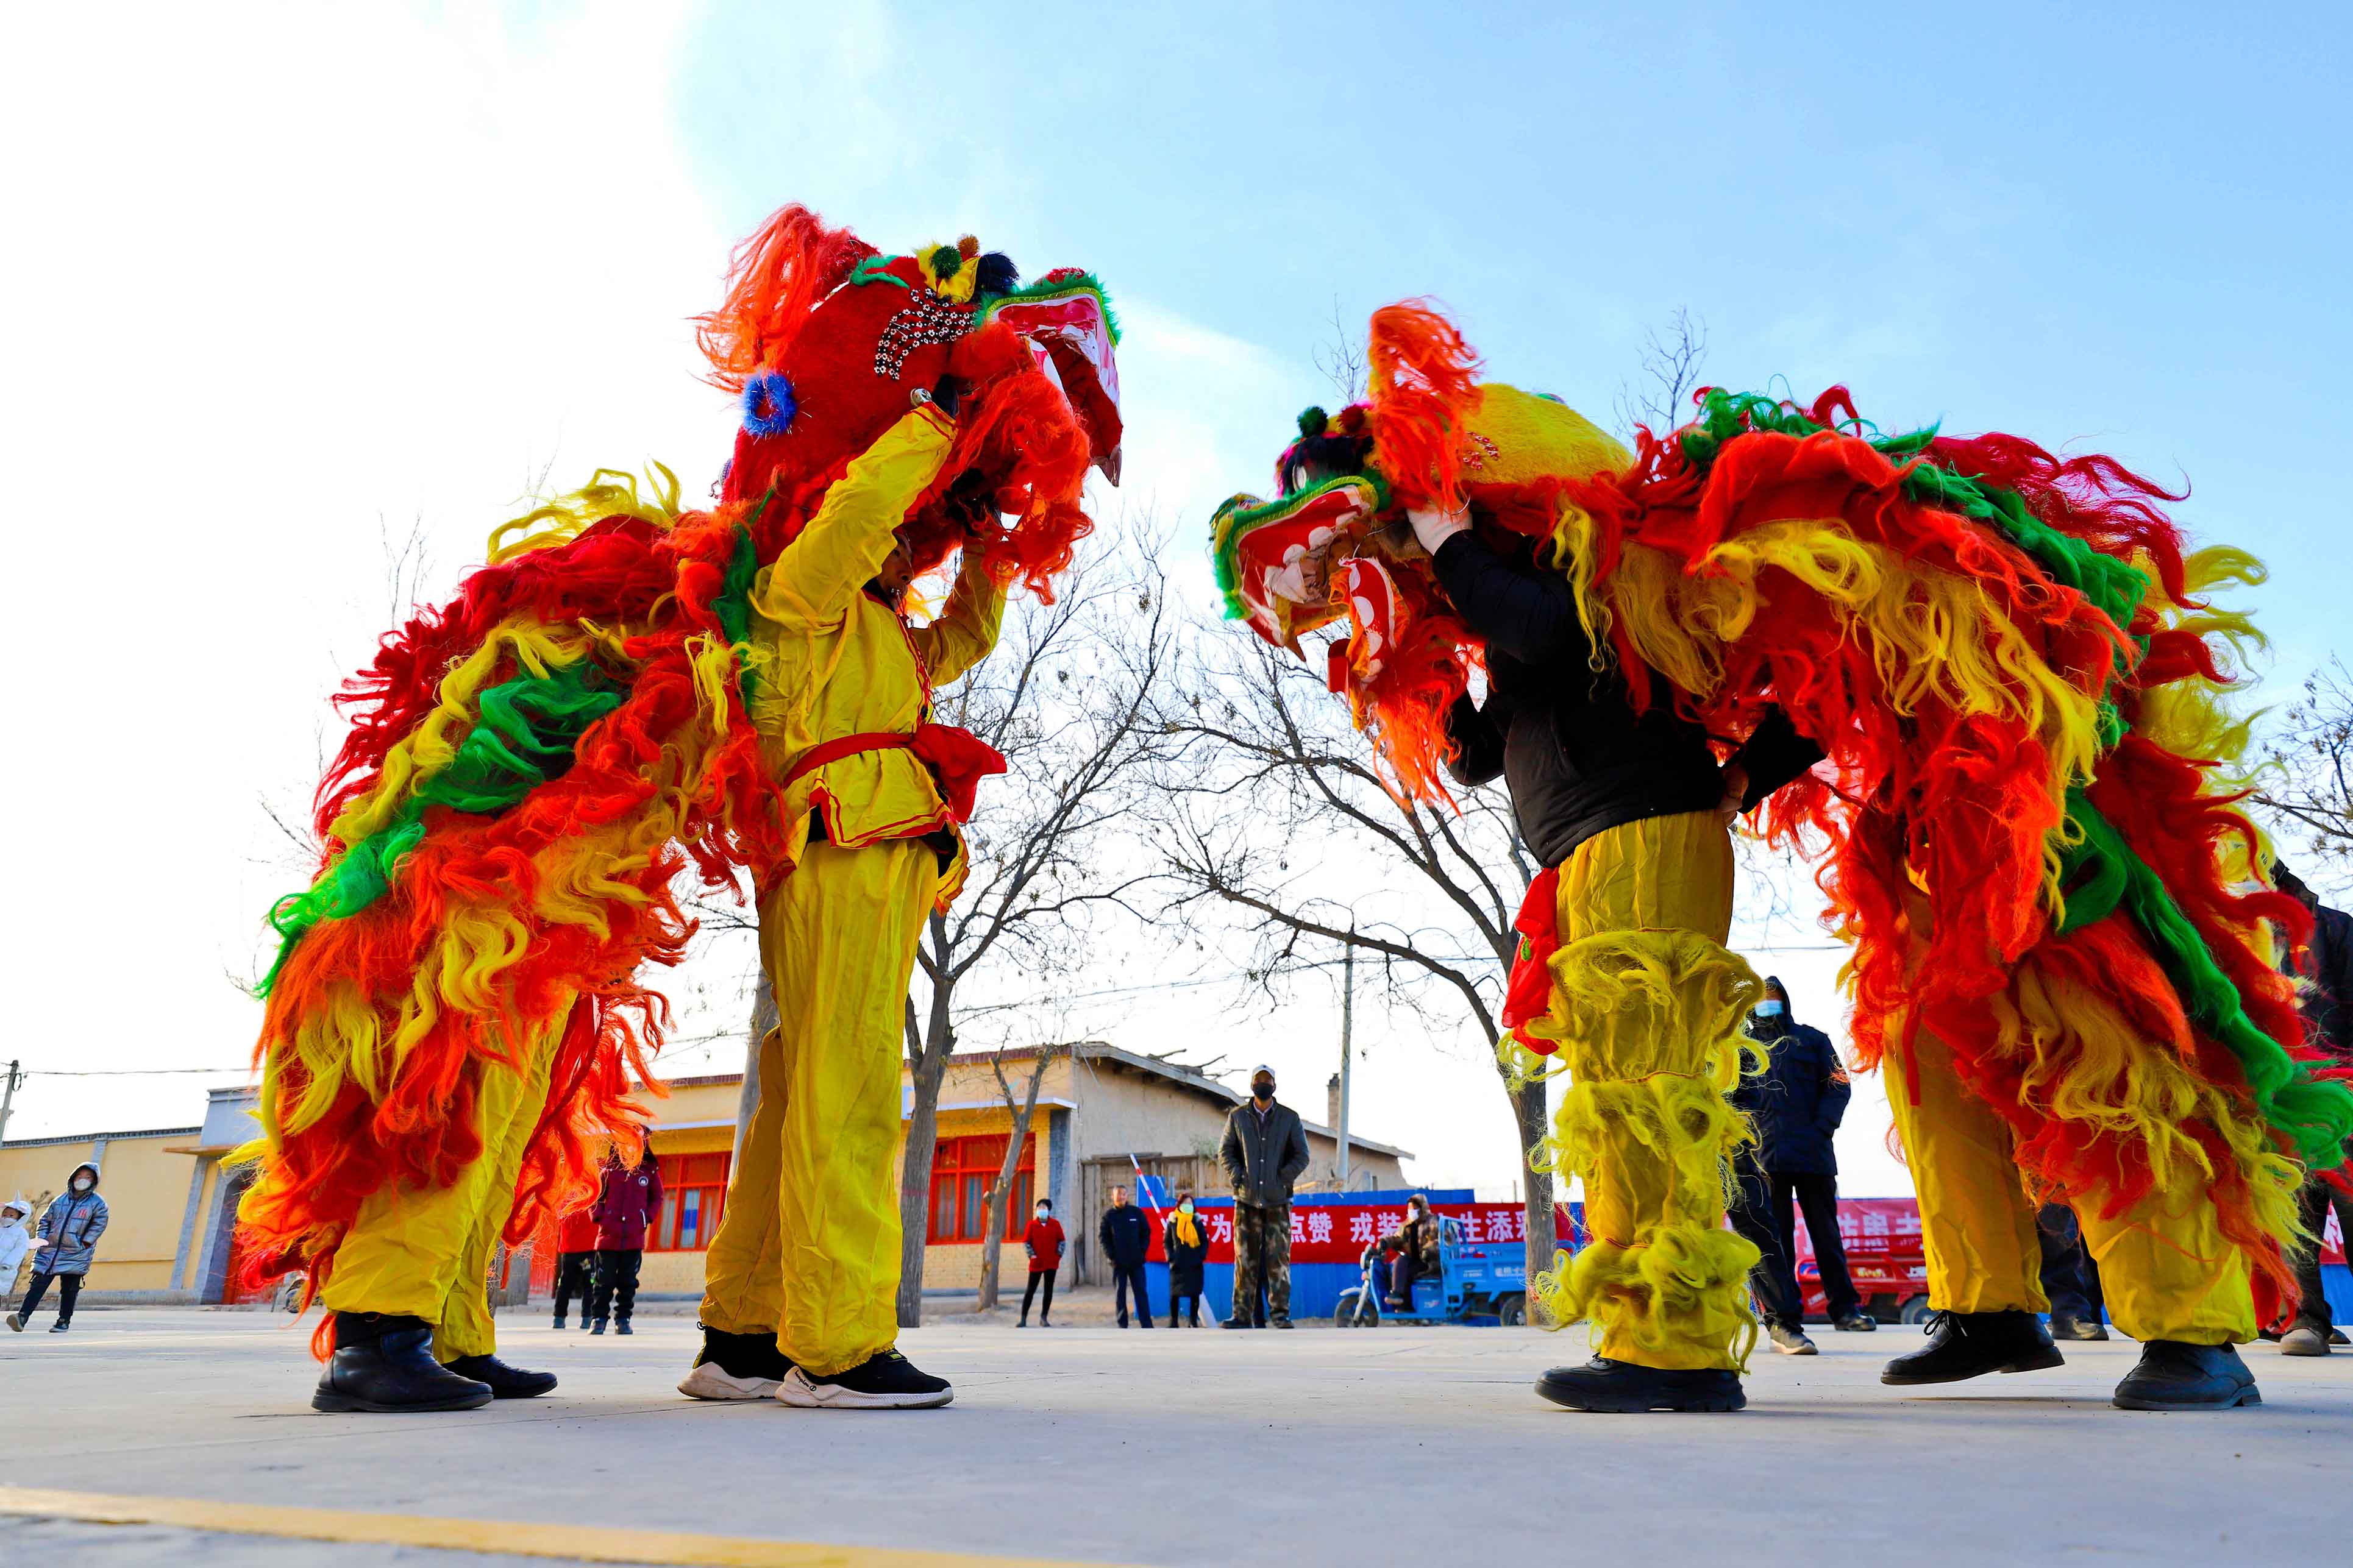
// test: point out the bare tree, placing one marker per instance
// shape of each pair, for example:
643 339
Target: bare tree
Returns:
1342 360
1069 697
1660 397
1281 821
1021 1107
2308 784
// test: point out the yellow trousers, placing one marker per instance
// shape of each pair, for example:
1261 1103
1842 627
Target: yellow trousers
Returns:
1647 1009
2166 1270
808 1247
427 1254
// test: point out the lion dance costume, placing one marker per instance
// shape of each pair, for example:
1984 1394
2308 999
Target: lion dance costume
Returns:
628 695
2026 823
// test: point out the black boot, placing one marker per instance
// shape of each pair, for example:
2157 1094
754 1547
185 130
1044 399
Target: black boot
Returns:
385 1363
1970 1344
1622 1387
506 1382
559 1320
621 1326
2175 1377
736 1366
597 1326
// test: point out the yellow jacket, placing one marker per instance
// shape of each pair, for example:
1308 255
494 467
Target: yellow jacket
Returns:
828 660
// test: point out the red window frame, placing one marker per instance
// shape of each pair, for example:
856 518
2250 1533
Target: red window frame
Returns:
962 1170
694 1197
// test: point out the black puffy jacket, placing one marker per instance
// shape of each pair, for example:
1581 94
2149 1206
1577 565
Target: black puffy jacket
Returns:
1576 757
1800 1099
1126 1236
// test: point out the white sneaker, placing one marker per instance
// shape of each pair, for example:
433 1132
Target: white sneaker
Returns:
2303 1341
884 1382
708 1380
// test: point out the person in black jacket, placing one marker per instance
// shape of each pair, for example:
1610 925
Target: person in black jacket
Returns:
1186 1240
1264 1153
1795 1105
1126 1236
1630 811
2326 968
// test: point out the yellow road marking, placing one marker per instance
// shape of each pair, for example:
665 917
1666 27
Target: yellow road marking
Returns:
579 1542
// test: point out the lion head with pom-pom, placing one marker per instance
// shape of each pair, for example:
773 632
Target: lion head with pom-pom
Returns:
828 342
1332 544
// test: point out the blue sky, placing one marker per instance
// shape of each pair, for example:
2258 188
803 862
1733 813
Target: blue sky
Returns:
308 275
2119 226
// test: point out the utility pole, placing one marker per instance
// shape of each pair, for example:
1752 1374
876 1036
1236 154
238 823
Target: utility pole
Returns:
1347 1021
8 1098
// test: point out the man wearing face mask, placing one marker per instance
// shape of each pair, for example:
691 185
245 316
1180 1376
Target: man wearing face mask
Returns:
1797 1104
1187 1246
1043 1242
1264 1153
63 1249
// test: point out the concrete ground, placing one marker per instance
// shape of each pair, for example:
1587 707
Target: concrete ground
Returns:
1096 1446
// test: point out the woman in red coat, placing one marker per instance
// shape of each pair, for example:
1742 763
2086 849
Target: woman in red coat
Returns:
1043 1242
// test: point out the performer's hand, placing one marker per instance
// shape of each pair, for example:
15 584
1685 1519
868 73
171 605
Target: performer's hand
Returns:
1433 528
1735 791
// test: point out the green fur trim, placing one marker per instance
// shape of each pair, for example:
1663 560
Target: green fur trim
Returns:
524 734
1243 514
2103 874
1056 289
875 270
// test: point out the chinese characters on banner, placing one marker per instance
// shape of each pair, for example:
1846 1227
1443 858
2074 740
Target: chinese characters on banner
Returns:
1338 1232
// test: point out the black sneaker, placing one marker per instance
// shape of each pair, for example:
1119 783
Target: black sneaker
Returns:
2065 1326
1237 1323
597 1326
887 1380
622 1327
2337 1337
1621 1387
1963 1345
59 1327
1791 1341
559 1320
2175 1377
1857 1323
736 1366
383 1363
506 1382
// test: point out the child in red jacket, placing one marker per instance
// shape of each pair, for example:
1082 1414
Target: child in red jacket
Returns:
1043 1242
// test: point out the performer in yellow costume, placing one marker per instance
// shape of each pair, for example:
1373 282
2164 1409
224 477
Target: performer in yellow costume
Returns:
800 1295
1982 683
458 1017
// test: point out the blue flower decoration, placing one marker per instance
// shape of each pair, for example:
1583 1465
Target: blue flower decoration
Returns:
768 404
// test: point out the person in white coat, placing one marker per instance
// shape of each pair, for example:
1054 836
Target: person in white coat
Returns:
14 1241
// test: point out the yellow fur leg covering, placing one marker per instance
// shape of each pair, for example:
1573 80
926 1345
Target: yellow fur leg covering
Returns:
1650 1027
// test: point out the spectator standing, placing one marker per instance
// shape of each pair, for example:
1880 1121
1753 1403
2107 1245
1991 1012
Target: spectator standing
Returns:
628 1199
1126 1236
1043 1242
15 1242
62 1251
2326 968
575 1263
2070 1278
1186 1243
1797 1104
1265 1154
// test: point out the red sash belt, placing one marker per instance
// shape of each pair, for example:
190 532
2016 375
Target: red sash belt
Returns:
1529 996
958 759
